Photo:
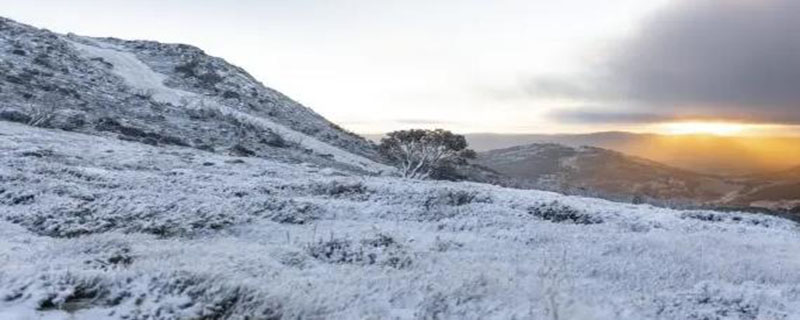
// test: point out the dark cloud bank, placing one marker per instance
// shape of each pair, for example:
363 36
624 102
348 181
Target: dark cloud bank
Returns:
732 59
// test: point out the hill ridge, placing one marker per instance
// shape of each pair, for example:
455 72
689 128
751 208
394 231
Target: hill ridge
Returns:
162 93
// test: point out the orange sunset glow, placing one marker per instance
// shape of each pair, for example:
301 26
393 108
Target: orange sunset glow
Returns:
721 128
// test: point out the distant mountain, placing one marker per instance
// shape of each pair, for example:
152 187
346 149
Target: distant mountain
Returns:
700 153
610 174
772 190
602 172
161 94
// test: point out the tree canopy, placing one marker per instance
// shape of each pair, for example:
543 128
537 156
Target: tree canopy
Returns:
418 152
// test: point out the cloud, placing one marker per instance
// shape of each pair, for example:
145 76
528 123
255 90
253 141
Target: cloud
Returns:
592 115
732 59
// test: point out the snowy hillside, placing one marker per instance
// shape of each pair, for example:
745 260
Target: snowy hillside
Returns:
161 94
604 172
98 228
703 153
614 175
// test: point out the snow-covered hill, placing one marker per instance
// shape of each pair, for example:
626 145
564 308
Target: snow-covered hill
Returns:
161 94
97 228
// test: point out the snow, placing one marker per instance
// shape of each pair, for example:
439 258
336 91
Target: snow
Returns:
141 77
301 139
117 229
135 73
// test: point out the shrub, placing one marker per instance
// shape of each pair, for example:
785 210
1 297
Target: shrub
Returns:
447 203
709 301
241 151
201 296
230 95
190 69
380 250
707 216
72 293
116 258
187 69
14 115
273 139
68 120
337 188
292 212
38 153
17 199
560 213
144 94
726 217
210 79
454 198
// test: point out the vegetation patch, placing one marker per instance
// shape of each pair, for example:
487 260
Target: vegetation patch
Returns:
726 217
170 296
136 134
338 189
380 250
71 294
561 213
113 259
709 302
454 198
291 211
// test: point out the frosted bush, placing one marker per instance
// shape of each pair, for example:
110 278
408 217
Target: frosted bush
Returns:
560 213
336 188
381 250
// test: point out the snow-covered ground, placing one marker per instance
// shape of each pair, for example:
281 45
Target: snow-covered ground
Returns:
96 228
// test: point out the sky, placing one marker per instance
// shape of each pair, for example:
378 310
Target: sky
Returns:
504 66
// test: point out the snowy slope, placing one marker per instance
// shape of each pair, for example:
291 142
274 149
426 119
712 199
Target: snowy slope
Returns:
135 73
707 154
162 94
614 175
303 140
606 173
139 76
93 227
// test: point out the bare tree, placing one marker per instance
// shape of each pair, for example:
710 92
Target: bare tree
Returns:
418 153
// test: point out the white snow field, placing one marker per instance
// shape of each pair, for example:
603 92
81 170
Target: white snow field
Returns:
96 228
